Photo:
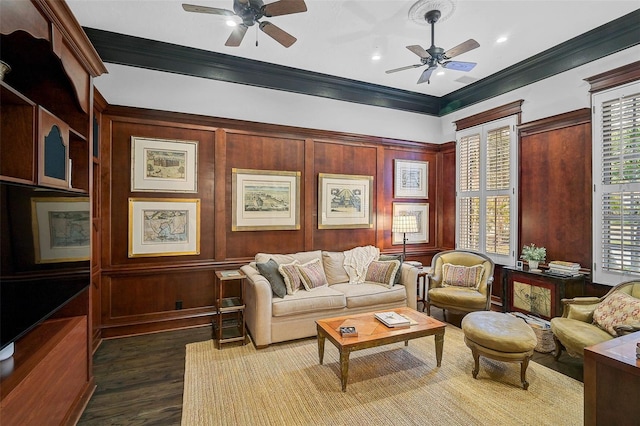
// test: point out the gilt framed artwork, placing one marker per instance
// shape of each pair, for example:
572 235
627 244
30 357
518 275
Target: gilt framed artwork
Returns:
344 201
164 227
411 179
421 212
162 165
265 200
61 229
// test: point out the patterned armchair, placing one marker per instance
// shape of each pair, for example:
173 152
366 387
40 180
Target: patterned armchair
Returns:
588 321
460 281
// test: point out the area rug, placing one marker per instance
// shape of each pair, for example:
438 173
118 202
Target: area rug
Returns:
391 385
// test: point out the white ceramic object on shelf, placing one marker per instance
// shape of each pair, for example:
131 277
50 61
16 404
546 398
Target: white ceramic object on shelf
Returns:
4 69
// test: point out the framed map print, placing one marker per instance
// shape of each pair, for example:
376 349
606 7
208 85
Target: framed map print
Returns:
344 201
411 179
164 227
160 165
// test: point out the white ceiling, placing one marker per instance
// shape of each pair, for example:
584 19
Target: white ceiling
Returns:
339 37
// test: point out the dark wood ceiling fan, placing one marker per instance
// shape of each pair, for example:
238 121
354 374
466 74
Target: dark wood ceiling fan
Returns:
251 11
434 56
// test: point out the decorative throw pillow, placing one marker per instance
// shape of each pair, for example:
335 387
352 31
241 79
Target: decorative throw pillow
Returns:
382 273
269 270
333 262
290 276
617 309
312 275
398 257
462 276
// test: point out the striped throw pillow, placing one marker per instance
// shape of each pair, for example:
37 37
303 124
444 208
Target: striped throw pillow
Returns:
462 276
291 277
383 273
312 274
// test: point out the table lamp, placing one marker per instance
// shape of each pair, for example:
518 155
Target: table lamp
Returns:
404 224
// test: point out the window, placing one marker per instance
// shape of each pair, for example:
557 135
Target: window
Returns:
486 187
616 183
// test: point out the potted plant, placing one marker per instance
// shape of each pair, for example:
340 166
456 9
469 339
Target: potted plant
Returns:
534 255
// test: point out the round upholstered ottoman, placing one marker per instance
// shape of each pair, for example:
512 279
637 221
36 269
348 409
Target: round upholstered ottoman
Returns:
501 337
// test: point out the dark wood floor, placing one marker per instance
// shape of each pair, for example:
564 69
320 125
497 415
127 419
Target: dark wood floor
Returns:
140 379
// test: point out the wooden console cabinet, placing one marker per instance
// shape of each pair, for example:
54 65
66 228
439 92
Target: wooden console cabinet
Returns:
538 293
612 382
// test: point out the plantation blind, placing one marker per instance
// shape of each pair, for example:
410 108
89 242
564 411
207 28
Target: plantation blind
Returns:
617 184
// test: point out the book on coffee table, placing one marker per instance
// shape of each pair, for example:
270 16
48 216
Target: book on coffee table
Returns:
392 319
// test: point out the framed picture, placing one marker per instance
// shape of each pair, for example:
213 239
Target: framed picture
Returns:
265 200
421 212
411 179
61 229
164 227
344 201
160 165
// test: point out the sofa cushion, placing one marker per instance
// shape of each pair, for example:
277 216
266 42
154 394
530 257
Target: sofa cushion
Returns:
383 273
291 277
312 275
323 298
302 257
388 257
575 335
269 270
368 294
456 296
333 262
461 276
617 309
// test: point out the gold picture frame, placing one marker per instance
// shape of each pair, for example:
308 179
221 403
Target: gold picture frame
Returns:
163 165
265 200
411 179
61 229
164 227
421 212
345 201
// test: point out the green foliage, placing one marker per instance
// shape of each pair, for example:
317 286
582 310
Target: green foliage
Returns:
531 252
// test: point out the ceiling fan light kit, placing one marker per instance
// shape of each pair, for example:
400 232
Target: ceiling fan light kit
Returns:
250 12
436 56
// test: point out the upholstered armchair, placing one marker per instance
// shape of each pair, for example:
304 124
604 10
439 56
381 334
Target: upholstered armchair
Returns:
587 321
460 281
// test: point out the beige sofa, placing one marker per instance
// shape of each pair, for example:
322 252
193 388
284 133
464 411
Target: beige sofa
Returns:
272 319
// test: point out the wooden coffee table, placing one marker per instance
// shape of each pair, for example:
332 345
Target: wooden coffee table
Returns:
372 333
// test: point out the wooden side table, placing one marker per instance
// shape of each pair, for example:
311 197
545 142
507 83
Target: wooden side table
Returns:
422 286
228 322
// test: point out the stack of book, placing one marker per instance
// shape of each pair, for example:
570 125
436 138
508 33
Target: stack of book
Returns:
564 269
638 350
392 319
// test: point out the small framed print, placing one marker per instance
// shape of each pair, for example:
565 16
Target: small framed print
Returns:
164 227
519 265
265 200
161 165
61 229
344 201
421 212
411 179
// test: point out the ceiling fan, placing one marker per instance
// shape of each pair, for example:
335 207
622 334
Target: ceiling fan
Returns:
251 11
434 56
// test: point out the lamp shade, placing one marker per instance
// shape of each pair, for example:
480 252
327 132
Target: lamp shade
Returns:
406 223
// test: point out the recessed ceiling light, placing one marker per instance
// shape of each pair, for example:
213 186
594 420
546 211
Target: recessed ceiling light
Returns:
231 23
376 57
502 39
440 73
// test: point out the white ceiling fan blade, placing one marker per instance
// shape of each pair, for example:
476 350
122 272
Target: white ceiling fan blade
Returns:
278 34
418 50
459 66
403 68
206 9
236 36
461 48
426 75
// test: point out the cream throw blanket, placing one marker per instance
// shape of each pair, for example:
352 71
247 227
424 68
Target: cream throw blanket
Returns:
357 260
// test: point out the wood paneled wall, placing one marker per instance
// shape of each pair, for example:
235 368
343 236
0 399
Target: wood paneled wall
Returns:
143 294
555 186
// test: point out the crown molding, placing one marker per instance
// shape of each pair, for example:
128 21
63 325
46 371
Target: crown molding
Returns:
612 37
